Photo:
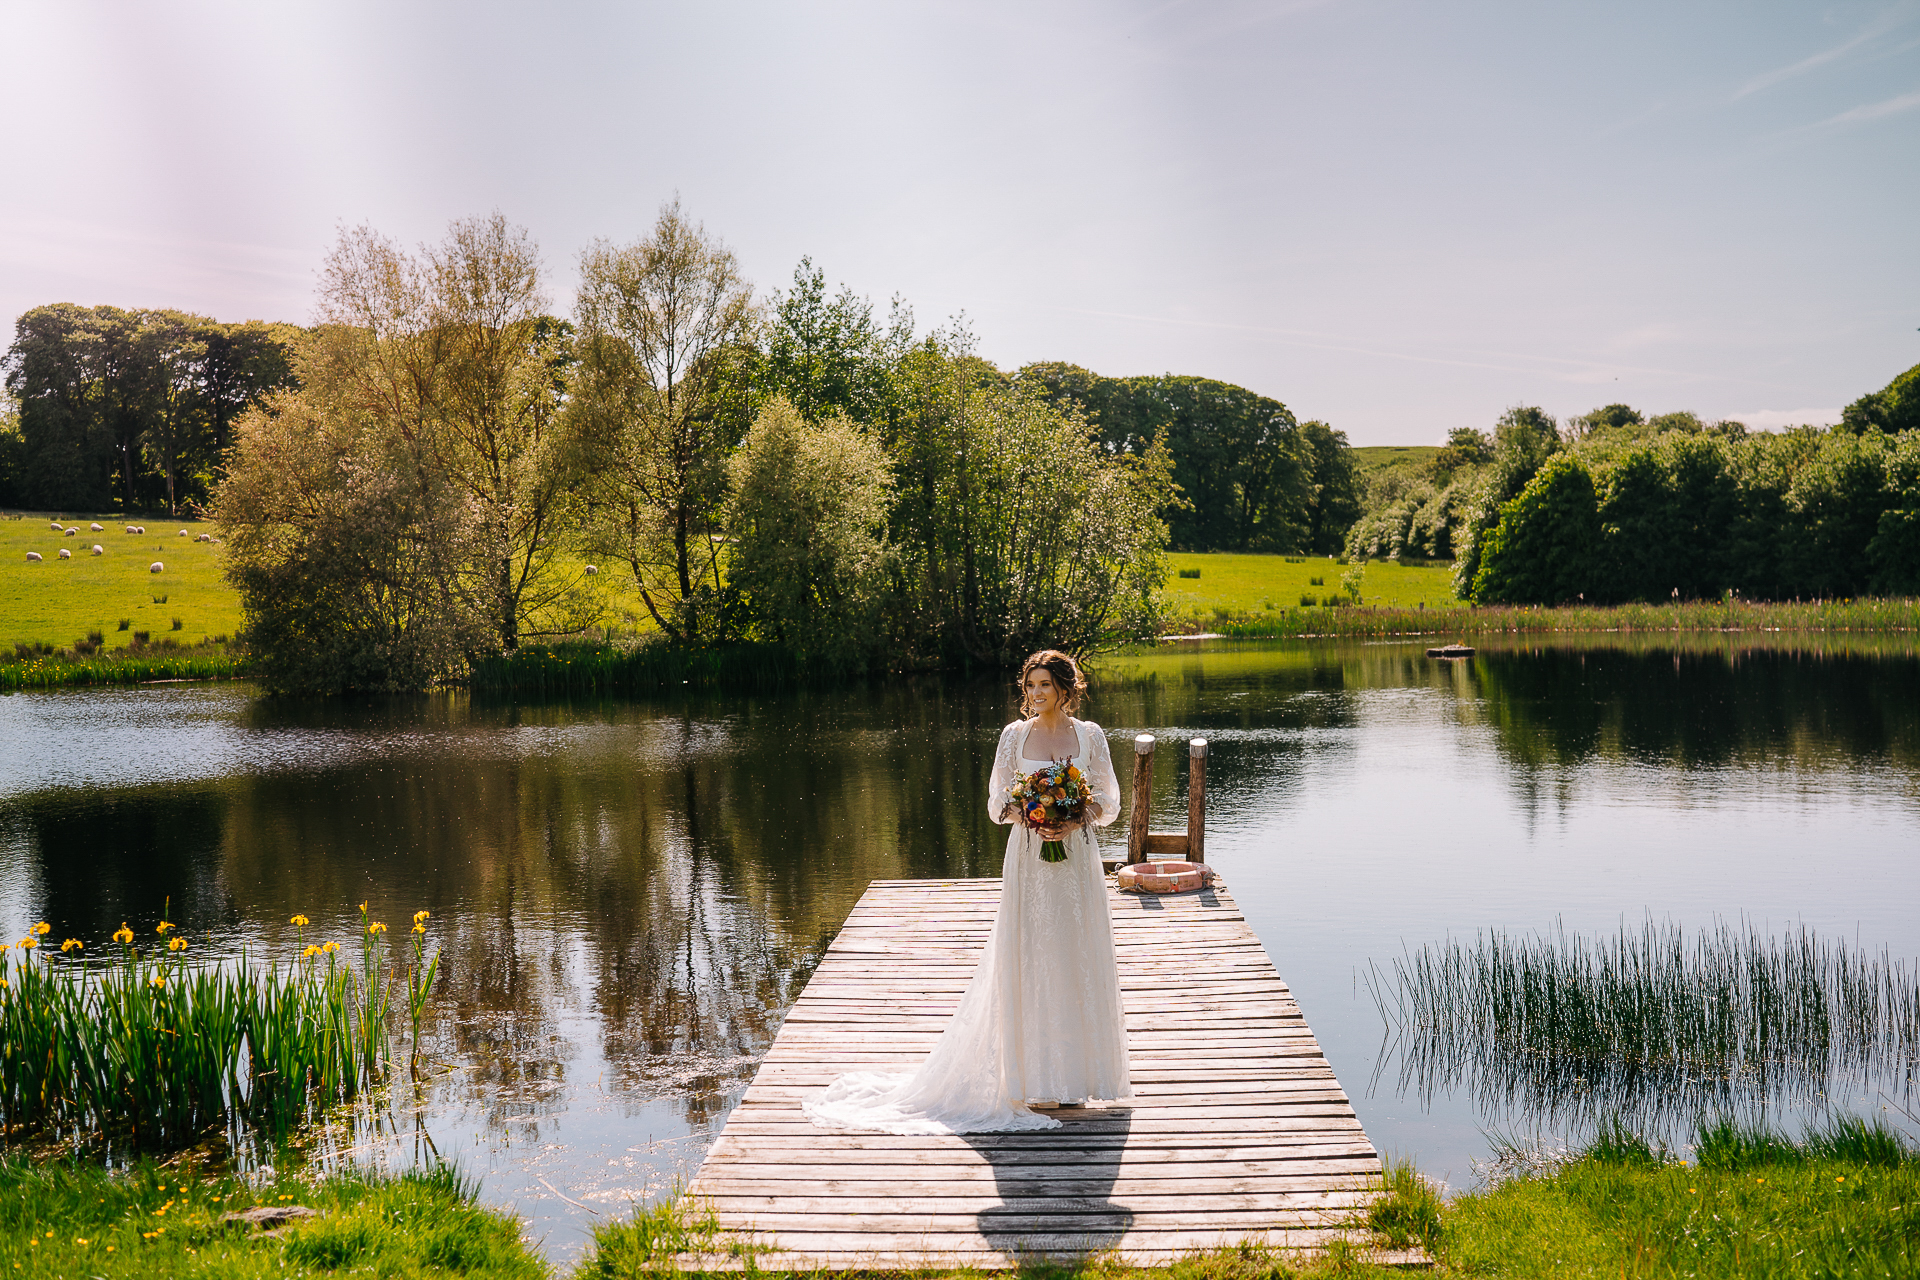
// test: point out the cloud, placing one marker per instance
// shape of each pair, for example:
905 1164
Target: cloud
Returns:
1873 111
1781 419
1888 21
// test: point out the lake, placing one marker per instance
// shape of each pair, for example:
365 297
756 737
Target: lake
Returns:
629 894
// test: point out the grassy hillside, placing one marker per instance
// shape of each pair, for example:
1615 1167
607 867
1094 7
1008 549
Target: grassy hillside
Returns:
60 601
1373 457
1259 584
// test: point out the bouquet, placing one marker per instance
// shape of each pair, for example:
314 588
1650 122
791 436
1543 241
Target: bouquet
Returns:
1057 793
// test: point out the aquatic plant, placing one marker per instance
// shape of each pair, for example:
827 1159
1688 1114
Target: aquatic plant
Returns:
1650 1026
162 1048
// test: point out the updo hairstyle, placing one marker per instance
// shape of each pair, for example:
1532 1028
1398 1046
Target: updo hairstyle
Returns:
1066 678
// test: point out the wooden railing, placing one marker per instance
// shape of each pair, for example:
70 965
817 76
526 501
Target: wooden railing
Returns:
1191 845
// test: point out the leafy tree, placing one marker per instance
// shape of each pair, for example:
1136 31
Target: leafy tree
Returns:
660 324
1541 550
1332 488
1607 418
1523 439
1894 408
809 515
827 356
178 435
1894 553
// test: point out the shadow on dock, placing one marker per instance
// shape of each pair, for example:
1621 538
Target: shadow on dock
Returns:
1055 1185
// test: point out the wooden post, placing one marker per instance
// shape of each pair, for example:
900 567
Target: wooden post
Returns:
1197 800
1142 798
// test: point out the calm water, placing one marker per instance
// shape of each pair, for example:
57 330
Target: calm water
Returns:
630 894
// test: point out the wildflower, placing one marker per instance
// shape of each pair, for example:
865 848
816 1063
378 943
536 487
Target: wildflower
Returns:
419 916
376 927
176 944
310 952
299 922
163 927
419 928
79 1240
331 946
363 906
73 944
42 929
157 981
29 943
123 935
4 984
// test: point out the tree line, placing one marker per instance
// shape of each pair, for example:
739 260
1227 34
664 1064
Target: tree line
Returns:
128 409
1614 508
455 469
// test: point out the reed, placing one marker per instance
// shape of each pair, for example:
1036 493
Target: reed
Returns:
43 667
1862 615
591 668
1647 1027
160 1048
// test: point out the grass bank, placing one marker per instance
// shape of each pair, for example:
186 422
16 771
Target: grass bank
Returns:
165 1222
595 668
1865 616
42 666
1220 584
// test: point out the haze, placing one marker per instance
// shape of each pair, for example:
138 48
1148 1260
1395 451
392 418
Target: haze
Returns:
1396 217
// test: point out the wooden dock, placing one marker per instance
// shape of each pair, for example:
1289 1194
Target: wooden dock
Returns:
1238 1131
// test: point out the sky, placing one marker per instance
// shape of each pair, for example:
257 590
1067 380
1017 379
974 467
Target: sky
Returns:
1398 218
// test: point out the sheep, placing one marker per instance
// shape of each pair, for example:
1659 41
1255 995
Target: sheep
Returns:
140 529
132 528
96 527
65 554
205 537
155 567
99 550
185 534
592 569
72 533
57 526
33 557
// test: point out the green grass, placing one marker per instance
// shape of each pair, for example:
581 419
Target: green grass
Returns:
69 1222
1375 456
1843 1202
59 601
1259 586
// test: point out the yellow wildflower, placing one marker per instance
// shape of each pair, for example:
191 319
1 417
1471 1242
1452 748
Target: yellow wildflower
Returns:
419 916
29 943
42 929
376 927
157 981
164 926
299 922
310 952
73 944
419 928
123 934
331 946
176 944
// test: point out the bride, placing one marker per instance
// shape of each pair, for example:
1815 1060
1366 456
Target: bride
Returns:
1040 1023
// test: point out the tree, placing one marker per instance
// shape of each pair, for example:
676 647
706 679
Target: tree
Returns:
660 322
453 351
1541 550
1523 439
1333 488
1894 408
178 435
829 356
809 515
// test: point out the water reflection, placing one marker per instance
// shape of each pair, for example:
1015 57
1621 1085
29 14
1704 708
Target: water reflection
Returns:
630 894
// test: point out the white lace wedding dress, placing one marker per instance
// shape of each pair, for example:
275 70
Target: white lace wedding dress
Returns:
1040 1019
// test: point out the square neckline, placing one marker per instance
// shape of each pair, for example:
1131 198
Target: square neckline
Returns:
1079 744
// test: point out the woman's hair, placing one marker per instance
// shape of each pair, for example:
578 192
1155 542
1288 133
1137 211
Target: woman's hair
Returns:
1066 678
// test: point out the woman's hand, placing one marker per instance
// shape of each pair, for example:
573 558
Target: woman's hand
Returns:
1057 830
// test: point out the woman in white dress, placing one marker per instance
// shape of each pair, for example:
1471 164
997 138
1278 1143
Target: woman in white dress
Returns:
1040 1021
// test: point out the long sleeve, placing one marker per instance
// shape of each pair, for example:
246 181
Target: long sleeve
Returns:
1104 805
1000 781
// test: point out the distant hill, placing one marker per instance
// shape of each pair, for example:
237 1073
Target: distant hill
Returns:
1375 456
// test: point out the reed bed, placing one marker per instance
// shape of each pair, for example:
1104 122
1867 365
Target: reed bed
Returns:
1648 1027
590 668
1863 615
31 668
163 1050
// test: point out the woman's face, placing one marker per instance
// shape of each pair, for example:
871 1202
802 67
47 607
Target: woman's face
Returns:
1041 695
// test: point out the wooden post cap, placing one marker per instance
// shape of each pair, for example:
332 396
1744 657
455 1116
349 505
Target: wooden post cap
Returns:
1143 744
1197 748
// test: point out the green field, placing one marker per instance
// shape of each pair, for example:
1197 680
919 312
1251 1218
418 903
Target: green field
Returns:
60 601
1261 584
1375 456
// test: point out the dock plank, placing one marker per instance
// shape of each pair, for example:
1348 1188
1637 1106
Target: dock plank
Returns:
1238 1129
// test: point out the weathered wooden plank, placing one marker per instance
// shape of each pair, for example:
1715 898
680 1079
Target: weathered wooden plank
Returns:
1238 1127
